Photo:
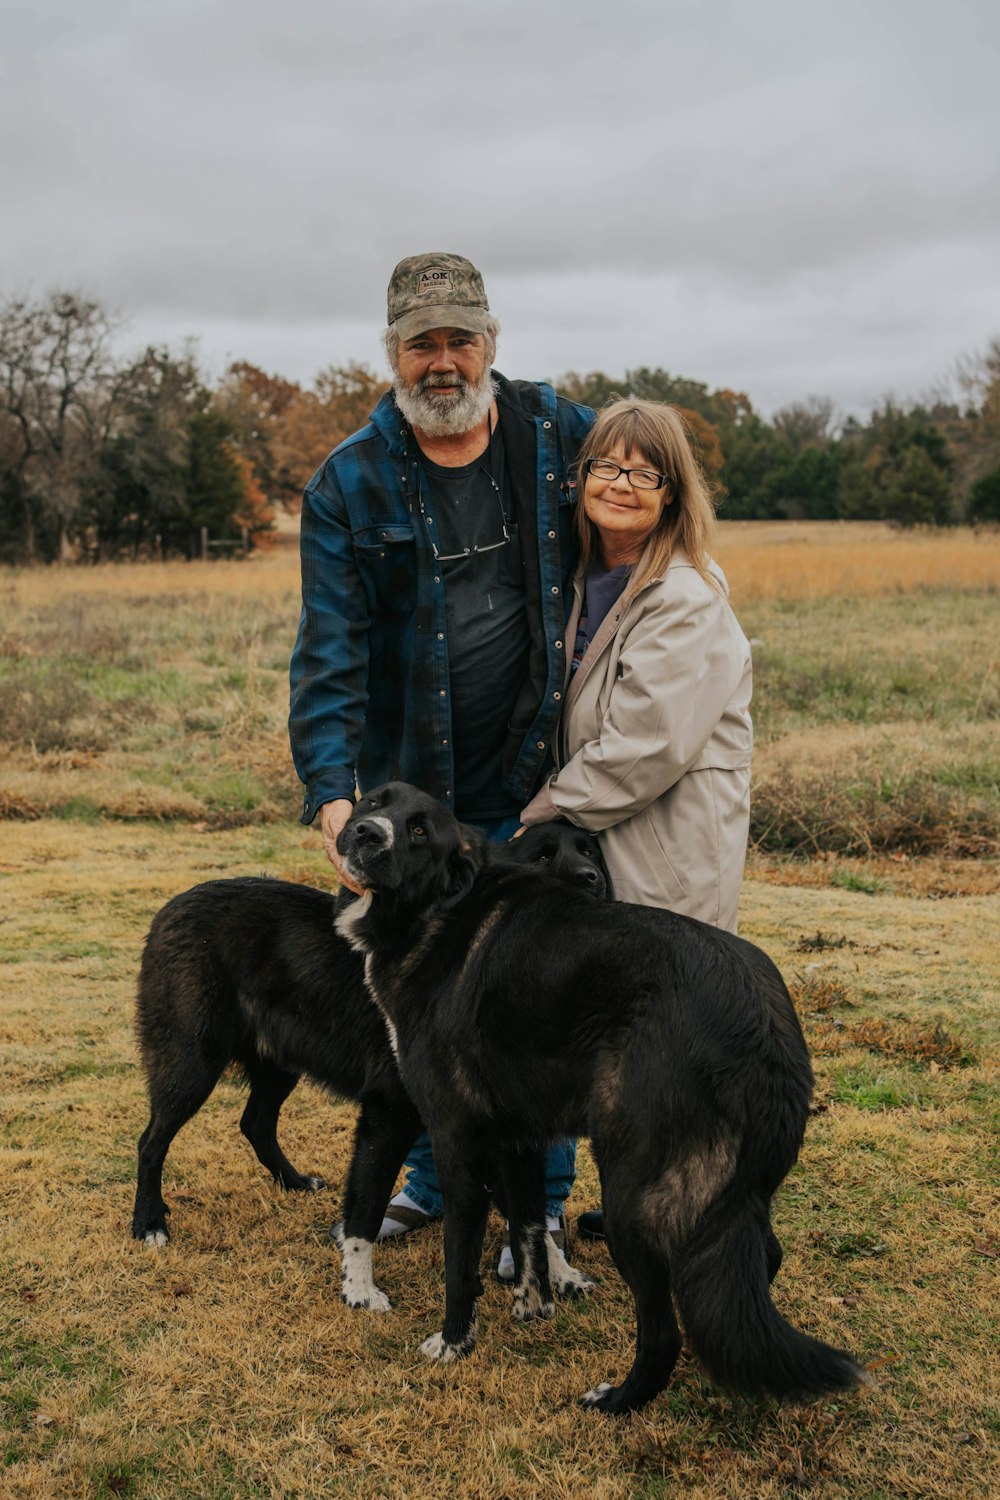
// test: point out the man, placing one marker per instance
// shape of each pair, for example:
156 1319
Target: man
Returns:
437 553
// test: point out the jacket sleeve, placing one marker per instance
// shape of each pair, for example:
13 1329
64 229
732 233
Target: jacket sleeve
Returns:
678 669
329 666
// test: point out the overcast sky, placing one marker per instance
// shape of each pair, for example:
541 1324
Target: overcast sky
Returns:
779 196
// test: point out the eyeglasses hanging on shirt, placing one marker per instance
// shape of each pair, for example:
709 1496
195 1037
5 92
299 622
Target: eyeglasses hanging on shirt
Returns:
478 548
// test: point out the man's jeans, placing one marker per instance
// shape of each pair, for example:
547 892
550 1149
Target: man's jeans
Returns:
560 1159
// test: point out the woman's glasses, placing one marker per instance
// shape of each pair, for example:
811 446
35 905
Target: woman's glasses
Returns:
639 479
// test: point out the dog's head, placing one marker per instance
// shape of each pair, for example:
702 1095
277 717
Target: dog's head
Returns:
399 839
570 853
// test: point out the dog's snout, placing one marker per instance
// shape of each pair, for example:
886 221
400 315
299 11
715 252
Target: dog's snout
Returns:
591 879
370 833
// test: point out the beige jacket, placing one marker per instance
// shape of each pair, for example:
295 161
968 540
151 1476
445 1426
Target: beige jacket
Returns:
655 745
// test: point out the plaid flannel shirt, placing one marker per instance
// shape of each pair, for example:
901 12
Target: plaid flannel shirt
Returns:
370 692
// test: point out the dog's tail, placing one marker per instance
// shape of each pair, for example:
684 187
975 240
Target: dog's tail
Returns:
724 1296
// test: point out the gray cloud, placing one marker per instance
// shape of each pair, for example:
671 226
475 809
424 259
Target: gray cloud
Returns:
769 195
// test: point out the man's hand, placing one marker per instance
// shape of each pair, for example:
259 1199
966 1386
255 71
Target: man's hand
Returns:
332 817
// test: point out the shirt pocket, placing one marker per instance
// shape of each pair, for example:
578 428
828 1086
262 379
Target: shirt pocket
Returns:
387 560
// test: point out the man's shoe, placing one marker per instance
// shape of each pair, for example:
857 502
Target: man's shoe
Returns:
591 1224
556 1228
401 1216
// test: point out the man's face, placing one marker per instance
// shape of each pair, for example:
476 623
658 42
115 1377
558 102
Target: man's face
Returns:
442 362
443 383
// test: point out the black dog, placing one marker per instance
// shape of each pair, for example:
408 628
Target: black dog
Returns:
524 1012
252 971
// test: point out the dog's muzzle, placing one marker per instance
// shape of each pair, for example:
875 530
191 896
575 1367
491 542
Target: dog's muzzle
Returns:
365 844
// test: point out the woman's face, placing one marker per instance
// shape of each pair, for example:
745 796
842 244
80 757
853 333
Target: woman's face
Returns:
626 515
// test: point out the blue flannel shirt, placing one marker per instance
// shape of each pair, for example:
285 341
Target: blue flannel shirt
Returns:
370 693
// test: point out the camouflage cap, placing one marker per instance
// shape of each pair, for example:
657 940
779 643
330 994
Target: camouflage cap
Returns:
436 291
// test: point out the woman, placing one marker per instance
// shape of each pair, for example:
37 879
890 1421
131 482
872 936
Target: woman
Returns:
656 736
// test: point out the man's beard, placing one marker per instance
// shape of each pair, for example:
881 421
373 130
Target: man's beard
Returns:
445 416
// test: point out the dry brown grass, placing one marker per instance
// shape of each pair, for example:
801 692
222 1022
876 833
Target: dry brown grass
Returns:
810 560
227 1367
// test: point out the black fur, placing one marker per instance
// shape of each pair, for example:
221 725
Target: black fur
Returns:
529 1012
251 971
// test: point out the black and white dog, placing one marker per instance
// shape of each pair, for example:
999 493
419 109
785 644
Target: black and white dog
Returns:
251 971
523 1012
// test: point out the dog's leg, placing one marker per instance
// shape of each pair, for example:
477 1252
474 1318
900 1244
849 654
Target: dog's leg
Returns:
466 1204
658 1339
524 1205
270 1086
175 1095
385 1132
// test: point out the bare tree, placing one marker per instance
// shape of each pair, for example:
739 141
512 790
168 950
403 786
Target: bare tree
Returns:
57 394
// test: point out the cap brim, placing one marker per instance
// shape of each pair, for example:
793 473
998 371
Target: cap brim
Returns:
471 319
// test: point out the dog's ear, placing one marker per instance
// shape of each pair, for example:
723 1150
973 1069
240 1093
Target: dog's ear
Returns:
463 867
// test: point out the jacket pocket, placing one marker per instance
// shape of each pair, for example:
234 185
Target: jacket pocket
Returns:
387 559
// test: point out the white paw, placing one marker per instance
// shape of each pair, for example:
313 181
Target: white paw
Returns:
592 1397
357 1286
566 1280
528 1304
437 1348
373 1298
156 1239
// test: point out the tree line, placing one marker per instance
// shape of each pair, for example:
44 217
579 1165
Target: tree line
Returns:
103 457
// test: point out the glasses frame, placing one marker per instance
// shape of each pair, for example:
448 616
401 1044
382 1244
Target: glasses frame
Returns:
468 551
610 478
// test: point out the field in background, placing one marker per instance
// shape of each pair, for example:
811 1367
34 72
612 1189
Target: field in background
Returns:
143 712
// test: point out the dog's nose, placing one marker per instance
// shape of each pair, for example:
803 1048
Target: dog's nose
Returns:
591 879
369 834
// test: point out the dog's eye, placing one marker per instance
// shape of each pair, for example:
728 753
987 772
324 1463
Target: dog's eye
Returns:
418 831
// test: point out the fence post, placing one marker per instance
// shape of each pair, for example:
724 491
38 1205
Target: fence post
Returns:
204 544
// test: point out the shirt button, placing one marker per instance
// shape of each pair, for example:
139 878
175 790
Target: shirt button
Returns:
440 635
555 588
551 536
442 693
550 477
436 579
558 645
540 745
546 424
557 696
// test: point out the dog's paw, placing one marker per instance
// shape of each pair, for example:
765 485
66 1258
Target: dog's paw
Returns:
357 1285
601 1398
529 1304
372 1298
440 1351
565 1279
155 1239
607 1398
301 1182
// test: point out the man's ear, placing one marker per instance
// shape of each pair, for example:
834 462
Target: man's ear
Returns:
463 867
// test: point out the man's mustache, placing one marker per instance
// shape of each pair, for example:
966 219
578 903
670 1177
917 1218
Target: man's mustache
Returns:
435 382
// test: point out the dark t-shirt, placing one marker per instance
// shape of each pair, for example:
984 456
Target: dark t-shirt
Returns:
602 589
487 625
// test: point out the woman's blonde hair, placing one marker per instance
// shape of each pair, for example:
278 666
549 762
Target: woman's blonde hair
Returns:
658 432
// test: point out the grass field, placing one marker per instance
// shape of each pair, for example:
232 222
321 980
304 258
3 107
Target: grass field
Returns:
142 714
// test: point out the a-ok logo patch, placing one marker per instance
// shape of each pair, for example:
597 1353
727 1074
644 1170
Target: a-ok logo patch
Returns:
434 281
